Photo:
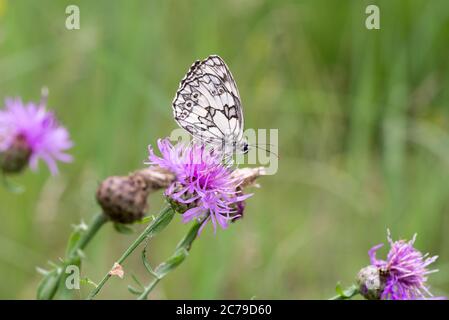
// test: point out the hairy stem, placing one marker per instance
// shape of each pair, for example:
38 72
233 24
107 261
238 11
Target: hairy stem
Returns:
96 223
175 260
159 223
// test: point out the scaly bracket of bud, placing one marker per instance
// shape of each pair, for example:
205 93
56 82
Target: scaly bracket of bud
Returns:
16 157
371 283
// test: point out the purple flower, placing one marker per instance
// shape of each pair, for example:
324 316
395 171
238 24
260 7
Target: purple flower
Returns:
36 130
405 270
203 184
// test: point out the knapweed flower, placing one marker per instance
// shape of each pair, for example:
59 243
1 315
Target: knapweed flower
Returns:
28 132
204 189
403 275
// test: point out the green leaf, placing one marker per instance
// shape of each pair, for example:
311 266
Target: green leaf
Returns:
160 222
171 263
42 271
10 186
87 281
80 253
346 293
351 291
48 285
339 289
63 292
146 220
134 290
187 241
73 240
53 264
136 281
123 228
146 263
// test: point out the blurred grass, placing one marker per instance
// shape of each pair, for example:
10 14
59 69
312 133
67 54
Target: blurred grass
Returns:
362 117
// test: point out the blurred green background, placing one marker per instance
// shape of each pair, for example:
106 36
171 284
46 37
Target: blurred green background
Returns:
363 119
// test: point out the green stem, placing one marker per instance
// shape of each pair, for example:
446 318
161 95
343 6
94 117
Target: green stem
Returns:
148 289
96 223
175 260
159 223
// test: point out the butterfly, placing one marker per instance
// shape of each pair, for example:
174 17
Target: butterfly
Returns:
208 105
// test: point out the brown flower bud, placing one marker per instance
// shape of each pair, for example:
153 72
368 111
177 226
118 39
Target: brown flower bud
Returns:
123 199
249 176
371 283
15 158
239 206
156 177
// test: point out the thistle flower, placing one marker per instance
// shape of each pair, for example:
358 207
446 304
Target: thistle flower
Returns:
28 133
204 189
403 275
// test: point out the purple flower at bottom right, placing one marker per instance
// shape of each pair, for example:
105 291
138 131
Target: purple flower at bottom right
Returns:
404 273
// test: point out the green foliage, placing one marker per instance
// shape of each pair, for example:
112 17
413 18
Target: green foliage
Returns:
123 228
345 294
48 285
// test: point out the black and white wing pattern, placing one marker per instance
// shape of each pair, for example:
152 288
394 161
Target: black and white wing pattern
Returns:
207 104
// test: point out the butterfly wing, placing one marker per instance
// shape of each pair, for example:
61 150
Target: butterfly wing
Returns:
207 103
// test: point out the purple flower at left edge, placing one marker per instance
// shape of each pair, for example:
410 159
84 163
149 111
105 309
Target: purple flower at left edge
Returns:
35 132
204 187
404 272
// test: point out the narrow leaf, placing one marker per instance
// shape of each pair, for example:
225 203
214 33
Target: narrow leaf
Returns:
73 240
146 263
160 222
122 228
134 290
146 220
339 290
87 281
48 285
10 186
137 281
187 241
171 263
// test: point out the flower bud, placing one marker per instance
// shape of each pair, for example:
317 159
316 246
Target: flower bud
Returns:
248 176
179 206
371 283
239 206
123 199
15 158
156 177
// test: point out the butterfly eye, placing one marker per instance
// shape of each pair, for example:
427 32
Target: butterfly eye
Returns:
195 95
220 90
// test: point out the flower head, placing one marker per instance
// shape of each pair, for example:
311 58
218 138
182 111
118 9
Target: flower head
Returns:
35 131
204 189
404 272
123 199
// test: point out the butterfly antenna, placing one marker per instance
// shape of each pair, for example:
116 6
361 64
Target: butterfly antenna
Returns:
265 144
264 149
